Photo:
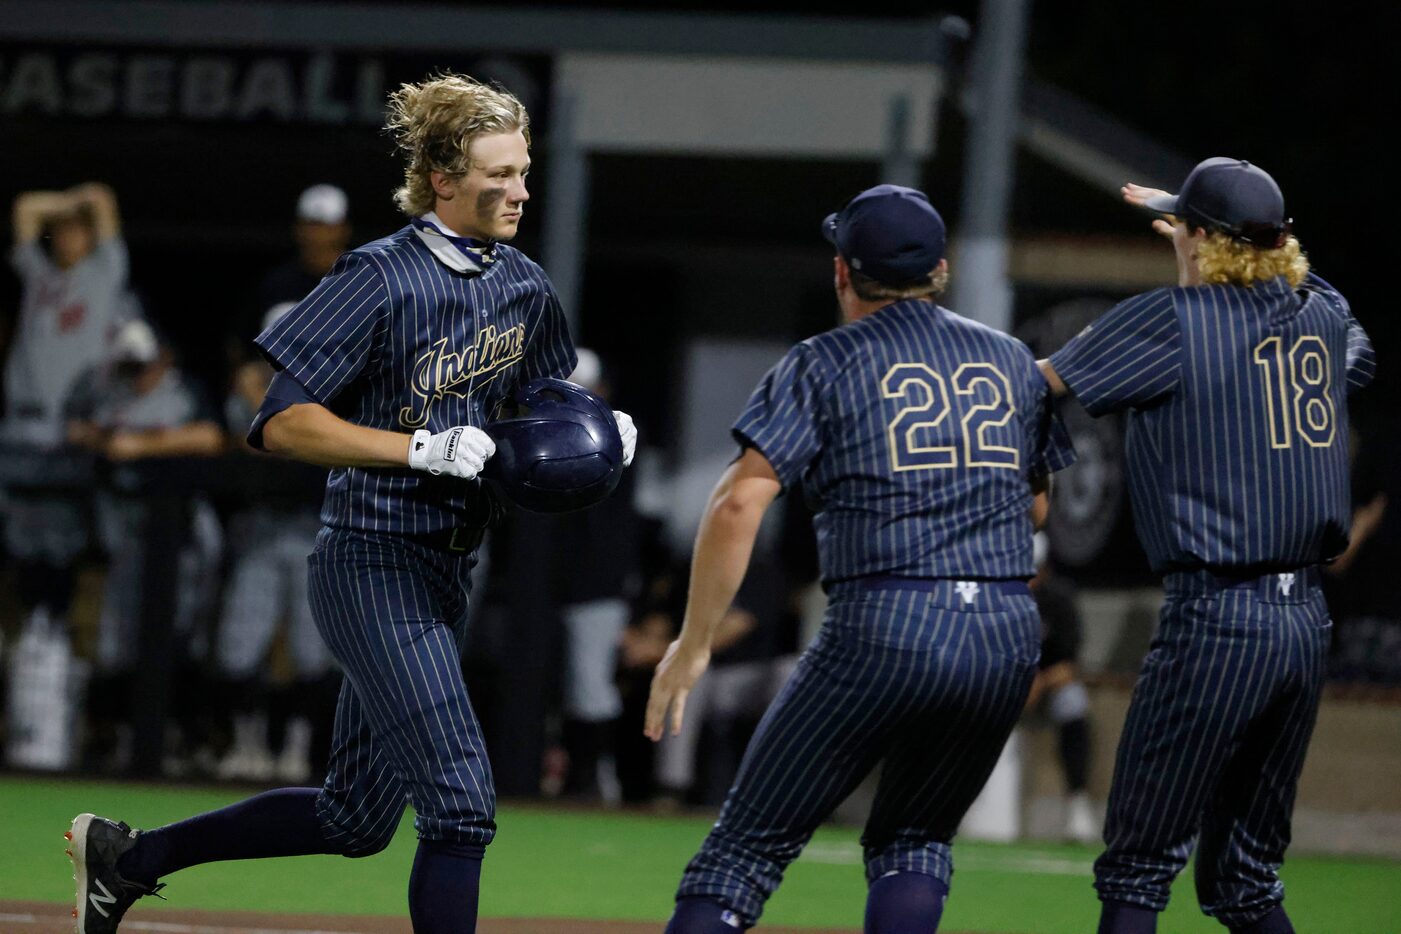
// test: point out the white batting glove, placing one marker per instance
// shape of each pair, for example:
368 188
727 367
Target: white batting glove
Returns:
628 431
457 452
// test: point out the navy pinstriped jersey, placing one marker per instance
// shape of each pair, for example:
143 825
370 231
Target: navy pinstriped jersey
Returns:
914 434
394 339
1237 448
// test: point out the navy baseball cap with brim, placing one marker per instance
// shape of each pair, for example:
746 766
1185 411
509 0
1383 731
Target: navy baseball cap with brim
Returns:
888 233
1230 195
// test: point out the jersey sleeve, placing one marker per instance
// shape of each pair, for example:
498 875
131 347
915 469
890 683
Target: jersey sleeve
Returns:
1131 356
324 341
782 420
1361 358
1052 448
28 260
549 350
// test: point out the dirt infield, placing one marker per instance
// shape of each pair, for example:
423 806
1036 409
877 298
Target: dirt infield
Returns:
40 918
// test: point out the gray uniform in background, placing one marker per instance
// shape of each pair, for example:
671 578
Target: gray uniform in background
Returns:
66 324
267 581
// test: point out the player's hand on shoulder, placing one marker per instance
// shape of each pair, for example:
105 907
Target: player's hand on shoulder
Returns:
677 672
628 431
461 451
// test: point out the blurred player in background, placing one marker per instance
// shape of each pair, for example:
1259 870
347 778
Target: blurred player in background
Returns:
387 372
1059 693
1238 381
925 442
138 406
321 232
597 585
699 763
1367 608
72 264
275 727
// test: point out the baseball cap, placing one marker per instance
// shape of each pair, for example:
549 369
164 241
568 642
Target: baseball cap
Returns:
1233 196
323 204
890 233
135 341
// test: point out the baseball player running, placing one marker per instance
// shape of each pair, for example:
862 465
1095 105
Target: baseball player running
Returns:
1238 380
925 442
385 374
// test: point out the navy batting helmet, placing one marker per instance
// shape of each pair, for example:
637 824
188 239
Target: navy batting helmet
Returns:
559 452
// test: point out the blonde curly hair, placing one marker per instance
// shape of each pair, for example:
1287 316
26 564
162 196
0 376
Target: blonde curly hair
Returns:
434 123
1224 260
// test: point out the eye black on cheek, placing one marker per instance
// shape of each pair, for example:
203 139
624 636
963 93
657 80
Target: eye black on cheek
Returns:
490 198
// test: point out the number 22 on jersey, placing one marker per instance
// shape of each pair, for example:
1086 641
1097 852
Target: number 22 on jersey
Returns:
982 394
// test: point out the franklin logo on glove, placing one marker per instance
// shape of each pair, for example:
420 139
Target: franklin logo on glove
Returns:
450 451
439 453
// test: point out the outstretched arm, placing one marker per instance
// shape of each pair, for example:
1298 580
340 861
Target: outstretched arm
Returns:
723 547
1137 195
197 439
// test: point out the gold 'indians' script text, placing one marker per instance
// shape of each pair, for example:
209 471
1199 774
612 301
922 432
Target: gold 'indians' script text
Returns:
438 372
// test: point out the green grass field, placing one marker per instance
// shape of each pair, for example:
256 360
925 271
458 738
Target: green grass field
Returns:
557 863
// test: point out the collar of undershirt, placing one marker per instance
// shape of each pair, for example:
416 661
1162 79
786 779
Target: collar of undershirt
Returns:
462 254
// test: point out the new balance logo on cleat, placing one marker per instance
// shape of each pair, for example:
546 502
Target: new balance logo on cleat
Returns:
106 898
104 894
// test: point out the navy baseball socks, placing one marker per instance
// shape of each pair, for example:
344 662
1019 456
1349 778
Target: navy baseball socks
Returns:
114 865
697 915
1122 918
897 903
905 903
443 887
1276 922
275 823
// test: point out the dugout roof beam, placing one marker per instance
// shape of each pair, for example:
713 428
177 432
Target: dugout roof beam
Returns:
186 23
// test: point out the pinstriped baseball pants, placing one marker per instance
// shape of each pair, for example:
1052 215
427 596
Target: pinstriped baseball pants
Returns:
393 613
1212 749
917 683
